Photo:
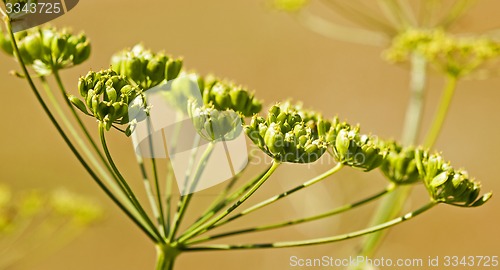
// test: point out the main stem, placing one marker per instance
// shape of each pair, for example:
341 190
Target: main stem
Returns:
392 205
165 257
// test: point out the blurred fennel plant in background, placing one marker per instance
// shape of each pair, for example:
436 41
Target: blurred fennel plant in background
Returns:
414 32
35 220
220 110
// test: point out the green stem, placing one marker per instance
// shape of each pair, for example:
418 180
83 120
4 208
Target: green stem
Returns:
330 213
211 211
228 211
149 192
168 196
162 226
444 106
132 214
186 199
278 197
170 172
64 94
86 151
165 257
334 31
318 241
392 205
123 183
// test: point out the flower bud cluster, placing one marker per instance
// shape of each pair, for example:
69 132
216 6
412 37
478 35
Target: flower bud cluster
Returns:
145 68
446 184
456 56
213 124
47 49
225 95
106 96
354 149
400 166
284 136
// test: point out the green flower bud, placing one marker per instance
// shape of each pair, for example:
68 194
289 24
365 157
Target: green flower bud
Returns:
284 136
173 68
78 103
5 43
82 53
227 95
106 96
214 125
145 68
358 151
400 166
447 185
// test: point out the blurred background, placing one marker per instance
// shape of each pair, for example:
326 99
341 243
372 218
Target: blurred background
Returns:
270 52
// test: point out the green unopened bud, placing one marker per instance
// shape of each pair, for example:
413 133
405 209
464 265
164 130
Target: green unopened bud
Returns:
82 53
173 68
5 43
78 103
400 166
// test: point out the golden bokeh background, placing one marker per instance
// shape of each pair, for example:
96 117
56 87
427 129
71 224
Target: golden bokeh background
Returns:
271 53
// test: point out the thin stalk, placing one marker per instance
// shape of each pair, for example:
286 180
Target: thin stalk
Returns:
334 31
170 173
394 12
3 13
132 214
168 196
64 94
86 151
330 213
360 16
233 207
278 197
392 205
162 227
444 106
318 241
123 183
187 198
211 211
149 192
